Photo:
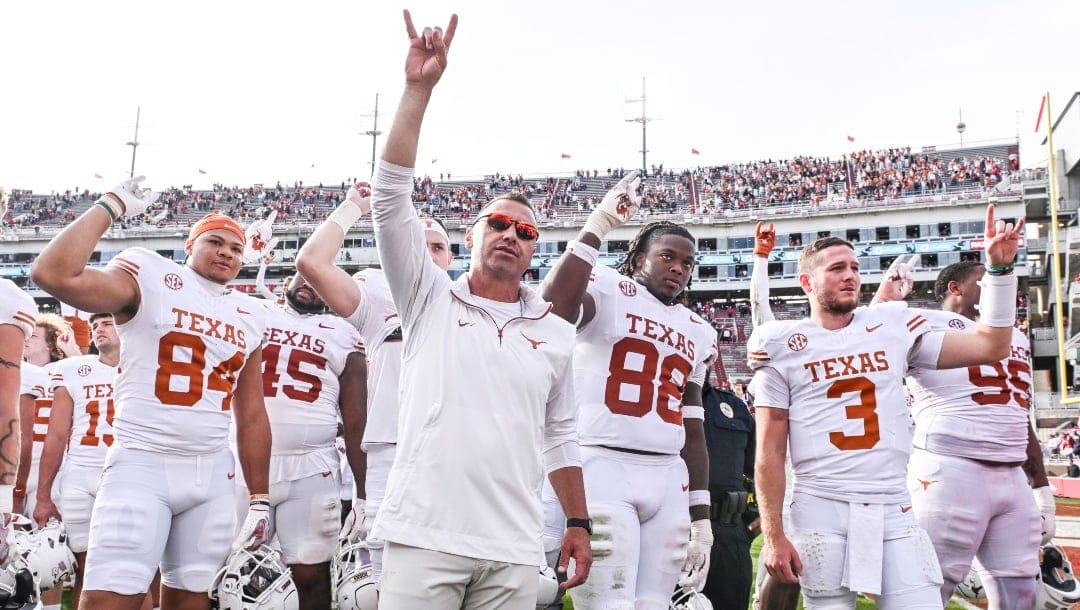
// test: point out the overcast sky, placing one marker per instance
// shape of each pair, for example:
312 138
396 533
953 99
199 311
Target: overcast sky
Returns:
261 91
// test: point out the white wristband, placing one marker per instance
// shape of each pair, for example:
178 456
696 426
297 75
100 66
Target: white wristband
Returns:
584 251
997 304
345 215
7 503
700 497
600 223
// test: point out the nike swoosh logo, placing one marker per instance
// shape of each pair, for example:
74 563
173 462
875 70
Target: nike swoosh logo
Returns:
460 323
686 487
905 509
231 475
390 317
695 320
325 474
321 325
238 310
871 329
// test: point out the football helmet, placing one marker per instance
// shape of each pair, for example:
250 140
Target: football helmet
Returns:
52 562
353 577
971 587
549 587
255 580
17 589
688 598
1056 588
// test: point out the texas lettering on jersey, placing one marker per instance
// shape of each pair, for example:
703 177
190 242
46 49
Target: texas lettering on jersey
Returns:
205 325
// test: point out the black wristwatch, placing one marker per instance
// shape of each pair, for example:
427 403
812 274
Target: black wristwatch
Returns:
586 524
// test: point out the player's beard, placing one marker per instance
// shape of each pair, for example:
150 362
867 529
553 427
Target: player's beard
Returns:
834 305
314 307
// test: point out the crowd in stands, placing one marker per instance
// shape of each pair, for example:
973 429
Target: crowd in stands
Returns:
857 177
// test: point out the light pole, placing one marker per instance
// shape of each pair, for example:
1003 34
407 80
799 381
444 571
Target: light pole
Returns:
644 119
961 127
374 132
134 143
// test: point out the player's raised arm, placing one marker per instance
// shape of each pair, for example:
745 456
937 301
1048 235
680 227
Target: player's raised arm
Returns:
565 285
316 258
61 268
764 241
997 304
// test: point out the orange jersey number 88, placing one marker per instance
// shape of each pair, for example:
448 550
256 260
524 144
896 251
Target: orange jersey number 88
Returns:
644 379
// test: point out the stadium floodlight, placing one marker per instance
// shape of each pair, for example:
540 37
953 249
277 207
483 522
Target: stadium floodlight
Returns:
134 143
643 109
374 132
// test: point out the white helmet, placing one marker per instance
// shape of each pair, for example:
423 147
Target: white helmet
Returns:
52 562
688 598
1056 588
353 577
549 587
17 589
255 580
971 587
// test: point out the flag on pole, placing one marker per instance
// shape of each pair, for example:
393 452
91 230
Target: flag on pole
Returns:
694 151
97 175
564 156
1042 108
202 171
851 139
434 161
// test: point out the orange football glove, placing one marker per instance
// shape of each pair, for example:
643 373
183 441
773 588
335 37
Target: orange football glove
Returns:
764 239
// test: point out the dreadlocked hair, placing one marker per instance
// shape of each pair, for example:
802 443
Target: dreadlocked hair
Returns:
645 237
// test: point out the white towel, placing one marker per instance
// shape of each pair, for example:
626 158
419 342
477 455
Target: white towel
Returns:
865 548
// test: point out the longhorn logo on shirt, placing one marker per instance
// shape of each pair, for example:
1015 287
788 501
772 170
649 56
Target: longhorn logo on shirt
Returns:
173 282
84 370
957 324
797 342
628 288
533 342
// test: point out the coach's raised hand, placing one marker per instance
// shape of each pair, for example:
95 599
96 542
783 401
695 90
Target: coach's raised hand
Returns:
427 52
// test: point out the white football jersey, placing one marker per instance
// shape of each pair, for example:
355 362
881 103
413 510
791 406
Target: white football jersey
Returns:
978 412
17 307
180 356
380 327
303 357
89 381
632 362
849 428
34 381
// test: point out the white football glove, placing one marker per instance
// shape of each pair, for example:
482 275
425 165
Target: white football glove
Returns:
618 206
900 273
127 199
356 525
697 555
260 238
359 195
1044 498
256 529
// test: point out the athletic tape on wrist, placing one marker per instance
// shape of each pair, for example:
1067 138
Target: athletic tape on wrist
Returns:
700 497
345 215
584 251
600 223
7 503
997 303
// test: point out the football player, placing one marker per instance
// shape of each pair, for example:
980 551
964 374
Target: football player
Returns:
831 385
313 367
79 432
365 302
640 361
189 364
973 443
